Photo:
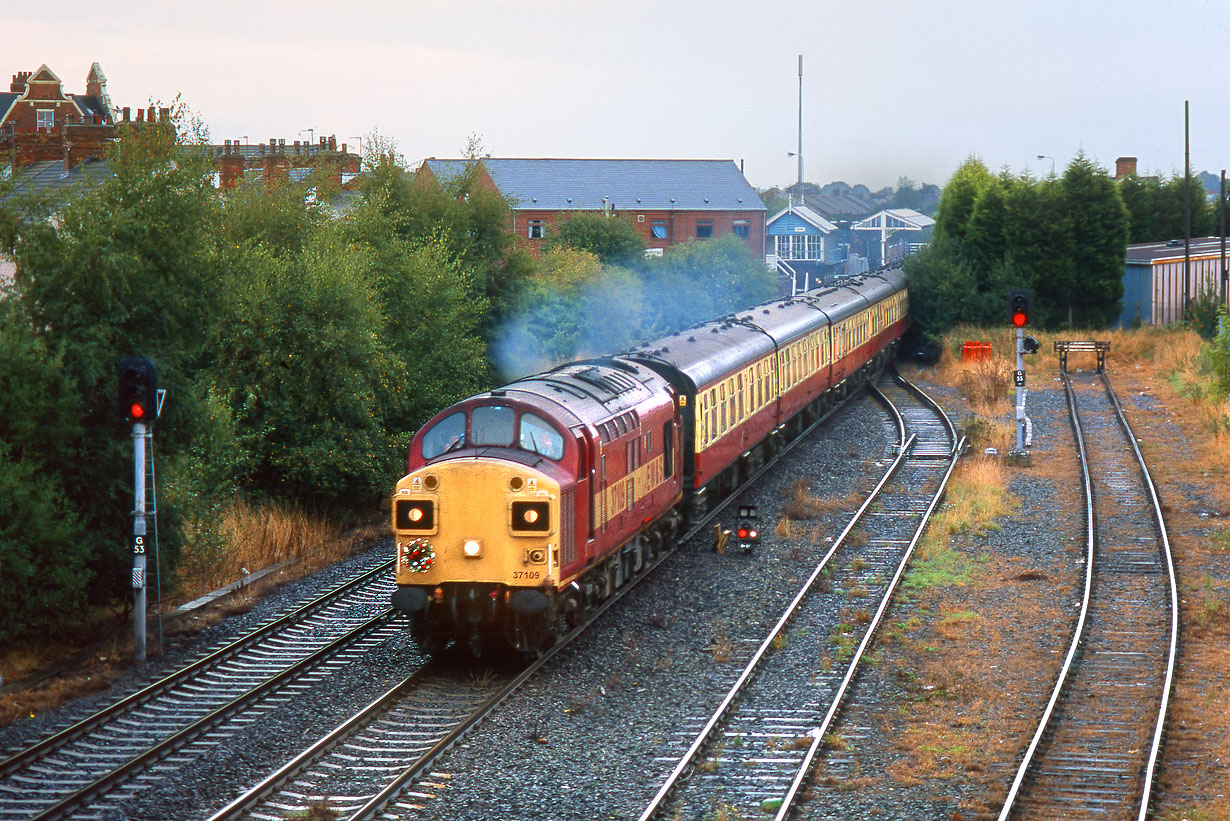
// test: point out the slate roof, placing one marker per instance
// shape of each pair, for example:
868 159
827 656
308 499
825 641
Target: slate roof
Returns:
90 106
49 177
843 206
562 184
7 98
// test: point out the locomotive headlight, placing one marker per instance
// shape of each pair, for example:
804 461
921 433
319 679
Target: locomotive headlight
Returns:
530 517
472 548
414 514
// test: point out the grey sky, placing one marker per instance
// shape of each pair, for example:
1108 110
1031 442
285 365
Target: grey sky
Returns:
891 88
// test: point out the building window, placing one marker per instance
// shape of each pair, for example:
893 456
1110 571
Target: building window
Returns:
783 246
704 229
813 247
798 249
657 229
44 119
741 229
536 229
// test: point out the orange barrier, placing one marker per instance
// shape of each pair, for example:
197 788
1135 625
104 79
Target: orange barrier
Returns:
976 352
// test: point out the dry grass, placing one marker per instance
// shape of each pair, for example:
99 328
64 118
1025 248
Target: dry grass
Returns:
254 538
802 504
258 537
976 496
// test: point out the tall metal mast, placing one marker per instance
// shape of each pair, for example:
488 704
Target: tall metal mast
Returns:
800 125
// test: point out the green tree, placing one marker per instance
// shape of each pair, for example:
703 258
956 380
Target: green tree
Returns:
1141 196
43 562
961 193
1038 244
121 270
1098 225
1171 218
612 239
697 281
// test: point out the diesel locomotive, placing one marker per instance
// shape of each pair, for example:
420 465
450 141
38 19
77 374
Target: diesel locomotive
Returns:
528 505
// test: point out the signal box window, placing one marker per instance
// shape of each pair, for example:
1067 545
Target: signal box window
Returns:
537 436
657 229
704 229
448 434
492 425
537 229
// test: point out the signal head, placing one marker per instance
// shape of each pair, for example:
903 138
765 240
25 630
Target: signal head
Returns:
1018 302
138 389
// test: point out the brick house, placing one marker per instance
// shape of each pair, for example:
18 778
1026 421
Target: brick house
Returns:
668 202
276 161
39 121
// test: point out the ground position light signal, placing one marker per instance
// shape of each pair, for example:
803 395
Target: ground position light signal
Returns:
1019 301
138 389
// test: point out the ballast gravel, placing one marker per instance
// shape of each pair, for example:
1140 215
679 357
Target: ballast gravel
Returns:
596 734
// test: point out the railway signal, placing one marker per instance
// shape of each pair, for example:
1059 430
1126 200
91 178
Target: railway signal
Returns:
1019 301
138 404
138 390
1019 304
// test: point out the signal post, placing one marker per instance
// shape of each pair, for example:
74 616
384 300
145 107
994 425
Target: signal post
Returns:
1019 306
138 395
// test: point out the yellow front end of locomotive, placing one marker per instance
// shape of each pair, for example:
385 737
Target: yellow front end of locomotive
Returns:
476 521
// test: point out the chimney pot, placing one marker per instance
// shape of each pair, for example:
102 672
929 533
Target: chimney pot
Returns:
126 113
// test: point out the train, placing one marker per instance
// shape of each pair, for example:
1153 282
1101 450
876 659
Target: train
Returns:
528 506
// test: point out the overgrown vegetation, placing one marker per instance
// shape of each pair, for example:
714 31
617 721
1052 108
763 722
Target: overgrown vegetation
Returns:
300 350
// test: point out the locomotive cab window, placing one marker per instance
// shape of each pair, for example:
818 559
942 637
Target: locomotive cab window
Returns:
492 425
447 434
538 436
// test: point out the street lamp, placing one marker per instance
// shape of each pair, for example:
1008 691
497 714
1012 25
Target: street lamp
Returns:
311 134
1052 159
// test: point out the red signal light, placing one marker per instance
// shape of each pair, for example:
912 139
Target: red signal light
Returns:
136 411
743 533
1018 303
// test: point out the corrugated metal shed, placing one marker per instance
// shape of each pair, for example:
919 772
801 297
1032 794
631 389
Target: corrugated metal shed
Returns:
562 184
1154 279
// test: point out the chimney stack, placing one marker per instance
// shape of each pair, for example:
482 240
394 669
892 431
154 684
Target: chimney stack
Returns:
1125 167
18 85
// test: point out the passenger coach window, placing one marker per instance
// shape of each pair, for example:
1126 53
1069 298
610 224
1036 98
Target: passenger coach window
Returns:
448 434
492 425
539 437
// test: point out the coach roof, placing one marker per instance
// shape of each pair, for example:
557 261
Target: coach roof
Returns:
627 185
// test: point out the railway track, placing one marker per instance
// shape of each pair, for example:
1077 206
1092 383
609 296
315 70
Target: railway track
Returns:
100 762
752 755
398 777
1095 750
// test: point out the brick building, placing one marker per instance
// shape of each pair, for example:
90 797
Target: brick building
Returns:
276 162
668 202
39 121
